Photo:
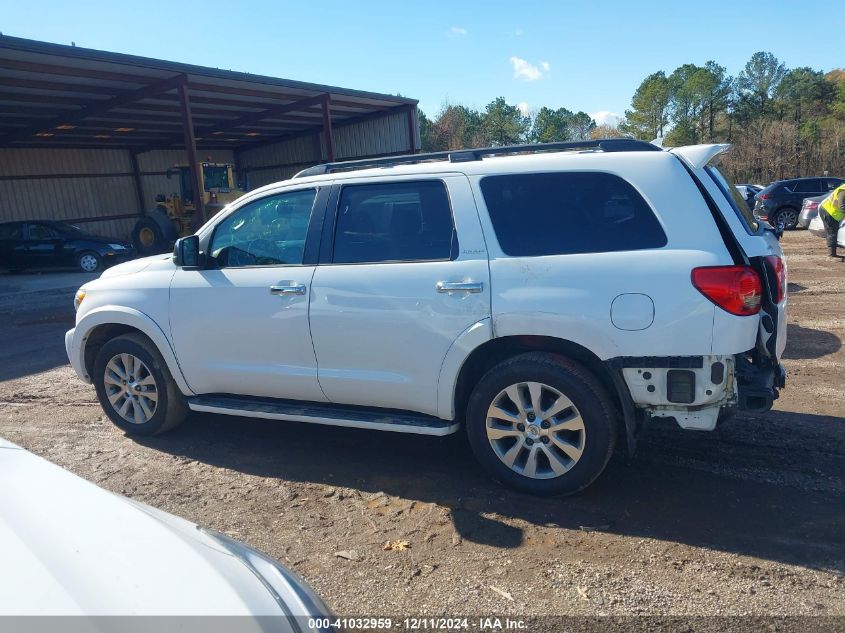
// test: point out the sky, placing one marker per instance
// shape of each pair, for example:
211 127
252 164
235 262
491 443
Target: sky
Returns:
588 56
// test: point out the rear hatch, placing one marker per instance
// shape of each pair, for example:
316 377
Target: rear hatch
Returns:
751 243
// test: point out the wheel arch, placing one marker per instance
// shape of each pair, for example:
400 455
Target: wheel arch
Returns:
495 350
105 323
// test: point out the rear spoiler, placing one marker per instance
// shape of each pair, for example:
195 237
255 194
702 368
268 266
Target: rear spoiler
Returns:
697 156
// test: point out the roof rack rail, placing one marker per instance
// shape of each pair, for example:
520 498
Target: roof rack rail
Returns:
468 155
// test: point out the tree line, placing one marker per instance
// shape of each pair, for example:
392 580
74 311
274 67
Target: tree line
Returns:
781 122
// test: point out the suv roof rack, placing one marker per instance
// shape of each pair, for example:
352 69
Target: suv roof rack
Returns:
468 155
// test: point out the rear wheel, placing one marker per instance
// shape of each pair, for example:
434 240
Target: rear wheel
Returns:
541 424
89 262
786 219
135 387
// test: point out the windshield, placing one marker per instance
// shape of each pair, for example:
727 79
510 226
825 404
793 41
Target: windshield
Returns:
740 206
215 177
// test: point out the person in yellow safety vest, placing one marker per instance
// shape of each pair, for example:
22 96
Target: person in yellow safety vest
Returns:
831 211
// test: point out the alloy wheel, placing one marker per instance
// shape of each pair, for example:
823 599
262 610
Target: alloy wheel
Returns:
131 388
535 430
787 219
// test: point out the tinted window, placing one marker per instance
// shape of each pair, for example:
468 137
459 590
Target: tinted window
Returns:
400 222
42 232
810 185
563 213
266 232
832 183
10 232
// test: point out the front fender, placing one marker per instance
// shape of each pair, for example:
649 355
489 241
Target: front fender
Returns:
77 338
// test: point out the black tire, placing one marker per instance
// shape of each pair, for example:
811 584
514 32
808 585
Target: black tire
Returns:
170 409
89 262
788 216
147 237
585 392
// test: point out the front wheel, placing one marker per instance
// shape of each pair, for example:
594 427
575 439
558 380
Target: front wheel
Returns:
135 388
541 424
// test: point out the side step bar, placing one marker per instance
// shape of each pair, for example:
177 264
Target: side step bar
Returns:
322 413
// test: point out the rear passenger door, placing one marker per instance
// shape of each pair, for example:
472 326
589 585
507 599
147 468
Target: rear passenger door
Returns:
403 272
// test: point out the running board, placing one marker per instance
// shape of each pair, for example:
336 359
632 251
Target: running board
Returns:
320 413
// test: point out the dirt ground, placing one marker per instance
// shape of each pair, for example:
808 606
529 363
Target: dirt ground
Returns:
749 519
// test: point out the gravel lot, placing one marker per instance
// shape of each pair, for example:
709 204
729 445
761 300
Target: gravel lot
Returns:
749 519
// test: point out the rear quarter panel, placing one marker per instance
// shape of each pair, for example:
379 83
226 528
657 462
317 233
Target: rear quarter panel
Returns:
570 296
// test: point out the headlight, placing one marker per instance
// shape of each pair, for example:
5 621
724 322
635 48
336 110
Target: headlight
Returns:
80 295
117 247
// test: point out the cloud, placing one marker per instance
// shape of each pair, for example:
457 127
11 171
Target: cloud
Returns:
458 30
527 71
523 107
519 32
605 117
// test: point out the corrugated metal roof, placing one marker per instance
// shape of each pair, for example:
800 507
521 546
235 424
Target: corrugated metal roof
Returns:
65 96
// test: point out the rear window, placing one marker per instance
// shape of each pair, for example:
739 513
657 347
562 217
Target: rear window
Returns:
737 202
564 213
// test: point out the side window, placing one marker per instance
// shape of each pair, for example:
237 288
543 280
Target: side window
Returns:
10 231
394 222
266 232
42 232
831 184
811 185
563 213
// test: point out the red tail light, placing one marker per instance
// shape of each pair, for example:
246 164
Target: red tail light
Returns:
735 289
764 196
779 268
811 204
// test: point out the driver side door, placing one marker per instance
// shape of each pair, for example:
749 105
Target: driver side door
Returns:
240 326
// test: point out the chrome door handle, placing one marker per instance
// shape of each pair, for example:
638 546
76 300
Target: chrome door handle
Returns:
460 286
295 289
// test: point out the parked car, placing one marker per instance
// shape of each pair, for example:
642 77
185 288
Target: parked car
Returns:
547 300
748 192
72 548
50 244
780 202
809 210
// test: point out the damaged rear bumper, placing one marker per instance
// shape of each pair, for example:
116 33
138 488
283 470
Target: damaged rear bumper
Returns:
695 390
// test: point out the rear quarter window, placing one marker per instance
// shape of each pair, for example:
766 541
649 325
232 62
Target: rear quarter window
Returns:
563 213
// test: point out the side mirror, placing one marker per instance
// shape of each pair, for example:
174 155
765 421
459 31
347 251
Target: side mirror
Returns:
186 253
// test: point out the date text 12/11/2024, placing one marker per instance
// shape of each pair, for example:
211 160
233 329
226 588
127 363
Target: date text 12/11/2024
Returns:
420 624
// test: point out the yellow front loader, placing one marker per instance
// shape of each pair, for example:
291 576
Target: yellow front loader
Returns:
175 216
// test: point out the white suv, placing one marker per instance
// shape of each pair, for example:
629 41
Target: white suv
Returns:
549 298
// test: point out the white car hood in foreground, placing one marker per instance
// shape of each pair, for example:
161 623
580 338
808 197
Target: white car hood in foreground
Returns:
70 548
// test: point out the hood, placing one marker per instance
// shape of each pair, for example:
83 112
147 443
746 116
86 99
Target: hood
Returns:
71 548
154 262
